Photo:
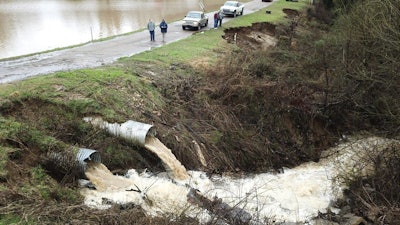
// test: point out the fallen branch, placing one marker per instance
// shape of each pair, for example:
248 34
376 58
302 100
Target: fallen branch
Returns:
232 215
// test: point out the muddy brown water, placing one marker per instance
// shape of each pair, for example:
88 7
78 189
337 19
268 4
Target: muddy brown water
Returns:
171 164
104 180
30 26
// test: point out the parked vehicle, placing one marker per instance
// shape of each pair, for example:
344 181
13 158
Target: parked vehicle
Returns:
232 8
195 20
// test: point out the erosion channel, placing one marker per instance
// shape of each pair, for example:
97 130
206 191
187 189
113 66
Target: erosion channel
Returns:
292 196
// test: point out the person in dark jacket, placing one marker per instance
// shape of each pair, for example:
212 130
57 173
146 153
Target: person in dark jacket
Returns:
215 20
163 27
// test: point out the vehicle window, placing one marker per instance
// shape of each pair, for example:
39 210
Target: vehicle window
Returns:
194 15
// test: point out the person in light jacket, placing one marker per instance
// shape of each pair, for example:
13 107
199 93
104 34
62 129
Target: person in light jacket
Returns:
220 17
163 27
151 27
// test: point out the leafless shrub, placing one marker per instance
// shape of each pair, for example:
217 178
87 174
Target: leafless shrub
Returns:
369 39
377 197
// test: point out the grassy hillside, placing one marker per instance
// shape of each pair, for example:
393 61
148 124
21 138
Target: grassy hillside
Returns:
252 107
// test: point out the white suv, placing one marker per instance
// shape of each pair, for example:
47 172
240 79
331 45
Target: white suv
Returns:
233 8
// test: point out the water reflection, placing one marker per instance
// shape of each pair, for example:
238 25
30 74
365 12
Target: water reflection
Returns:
28 26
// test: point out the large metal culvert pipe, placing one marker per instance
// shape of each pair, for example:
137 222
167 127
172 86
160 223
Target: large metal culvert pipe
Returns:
130 130
85 155
70 163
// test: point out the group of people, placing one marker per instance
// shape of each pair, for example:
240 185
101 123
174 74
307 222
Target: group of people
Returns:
218 16
151 26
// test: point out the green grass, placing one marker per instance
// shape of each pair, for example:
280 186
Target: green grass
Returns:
12 219
198 45
276 15
4 154
85 90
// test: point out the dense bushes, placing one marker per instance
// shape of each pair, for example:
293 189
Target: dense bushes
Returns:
368 68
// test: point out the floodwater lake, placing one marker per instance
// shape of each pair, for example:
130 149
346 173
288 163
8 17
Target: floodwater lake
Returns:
31 26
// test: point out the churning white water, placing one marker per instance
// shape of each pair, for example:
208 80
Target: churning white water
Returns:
293 196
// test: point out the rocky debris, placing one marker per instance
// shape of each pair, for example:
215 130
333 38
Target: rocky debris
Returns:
343 217
351 219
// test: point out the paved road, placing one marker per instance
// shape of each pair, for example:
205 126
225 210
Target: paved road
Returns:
100 53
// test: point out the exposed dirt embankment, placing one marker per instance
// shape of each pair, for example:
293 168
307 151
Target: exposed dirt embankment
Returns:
259 36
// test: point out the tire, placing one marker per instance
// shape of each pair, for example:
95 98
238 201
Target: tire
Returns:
241 13
183 28
206 23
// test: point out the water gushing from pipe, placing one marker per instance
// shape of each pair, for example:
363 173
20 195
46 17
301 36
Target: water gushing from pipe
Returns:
144 135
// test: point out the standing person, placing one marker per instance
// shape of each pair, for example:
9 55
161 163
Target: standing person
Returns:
163 27
220 17
151 27
216 19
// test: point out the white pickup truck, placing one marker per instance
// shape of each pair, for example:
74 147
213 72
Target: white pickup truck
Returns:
233 8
